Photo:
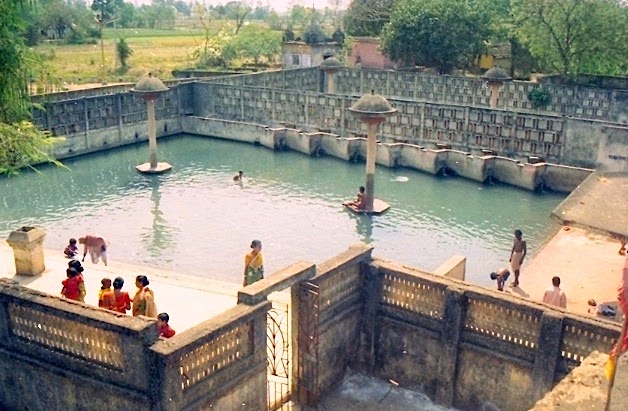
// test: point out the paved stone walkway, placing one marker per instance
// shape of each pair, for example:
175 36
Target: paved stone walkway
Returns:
588 265
362 393
188 300
585 388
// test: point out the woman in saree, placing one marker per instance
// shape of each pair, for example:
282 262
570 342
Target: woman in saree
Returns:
144 299
254 264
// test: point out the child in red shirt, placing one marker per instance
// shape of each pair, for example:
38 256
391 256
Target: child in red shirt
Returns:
123 301
73 286
164 329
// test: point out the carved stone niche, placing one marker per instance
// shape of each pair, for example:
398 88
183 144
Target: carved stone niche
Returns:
28 250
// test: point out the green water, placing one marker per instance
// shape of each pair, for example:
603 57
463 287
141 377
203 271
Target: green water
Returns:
197 221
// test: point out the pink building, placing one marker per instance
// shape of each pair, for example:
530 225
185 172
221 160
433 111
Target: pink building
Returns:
366 51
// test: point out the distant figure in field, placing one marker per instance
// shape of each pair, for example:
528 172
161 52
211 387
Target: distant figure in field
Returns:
123 301
144 299
517 254
71 250
95 246
165 331
106 298
554 295
501 276
73 286
238 178
253 264
359 201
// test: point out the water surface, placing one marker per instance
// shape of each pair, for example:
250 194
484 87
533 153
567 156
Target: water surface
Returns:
197 221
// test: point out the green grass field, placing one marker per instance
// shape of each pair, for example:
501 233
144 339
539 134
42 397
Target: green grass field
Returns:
156 51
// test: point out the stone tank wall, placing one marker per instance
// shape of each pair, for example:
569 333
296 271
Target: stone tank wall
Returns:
557 139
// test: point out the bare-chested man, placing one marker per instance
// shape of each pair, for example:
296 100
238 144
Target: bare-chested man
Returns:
517 254
95 246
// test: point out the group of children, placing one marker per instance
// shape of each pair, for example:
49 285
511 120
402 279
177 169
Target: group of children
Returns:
115 299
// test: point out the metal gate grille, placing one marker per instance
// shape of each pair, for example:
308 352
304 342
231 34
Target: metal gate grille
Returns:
308 322
278 348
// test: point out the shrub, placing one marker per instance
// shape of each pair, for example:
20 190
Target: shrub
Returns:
124 51
539 97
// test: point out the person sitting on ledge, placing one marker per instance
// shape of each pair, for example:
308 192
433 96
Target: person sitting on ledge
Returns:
165 331
501 276
238 178
359 201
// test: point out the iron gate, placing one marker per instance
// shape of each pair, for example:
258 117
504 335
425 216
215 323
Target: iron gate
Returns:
307 349
278 349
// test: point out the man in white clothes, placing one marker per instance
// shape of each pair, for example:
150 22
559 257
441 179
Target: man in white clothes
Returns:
554 295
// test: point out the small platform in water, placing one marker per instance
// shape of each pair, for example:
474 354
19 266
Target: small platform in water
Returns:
379 207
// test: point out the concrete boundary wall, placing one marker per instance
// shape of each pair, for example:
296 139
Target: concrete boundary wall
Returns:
466 346
433 161
218 364
61 354
329 312
58 354
463 345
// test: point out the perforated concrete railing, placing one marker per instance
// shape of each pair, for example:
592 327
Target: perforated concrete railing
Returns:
221 351
503 321
204 362
581 339
51 332
339 286
568 100
413 294
96 112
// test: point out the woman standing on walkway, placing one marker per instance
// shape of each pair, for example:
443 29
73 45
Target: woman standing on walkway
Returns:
144 299
254 264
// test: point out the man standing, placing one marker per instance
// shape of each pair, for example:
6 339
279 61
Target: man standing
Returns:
554 295
517 254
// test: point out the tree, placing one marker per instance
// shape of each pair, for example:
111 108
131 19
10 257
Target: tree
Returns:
435 33
183 8
128 16
574 36
255 43
367 17
273 20
237 11
158 15
300 16
21 143
260 13
106 8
